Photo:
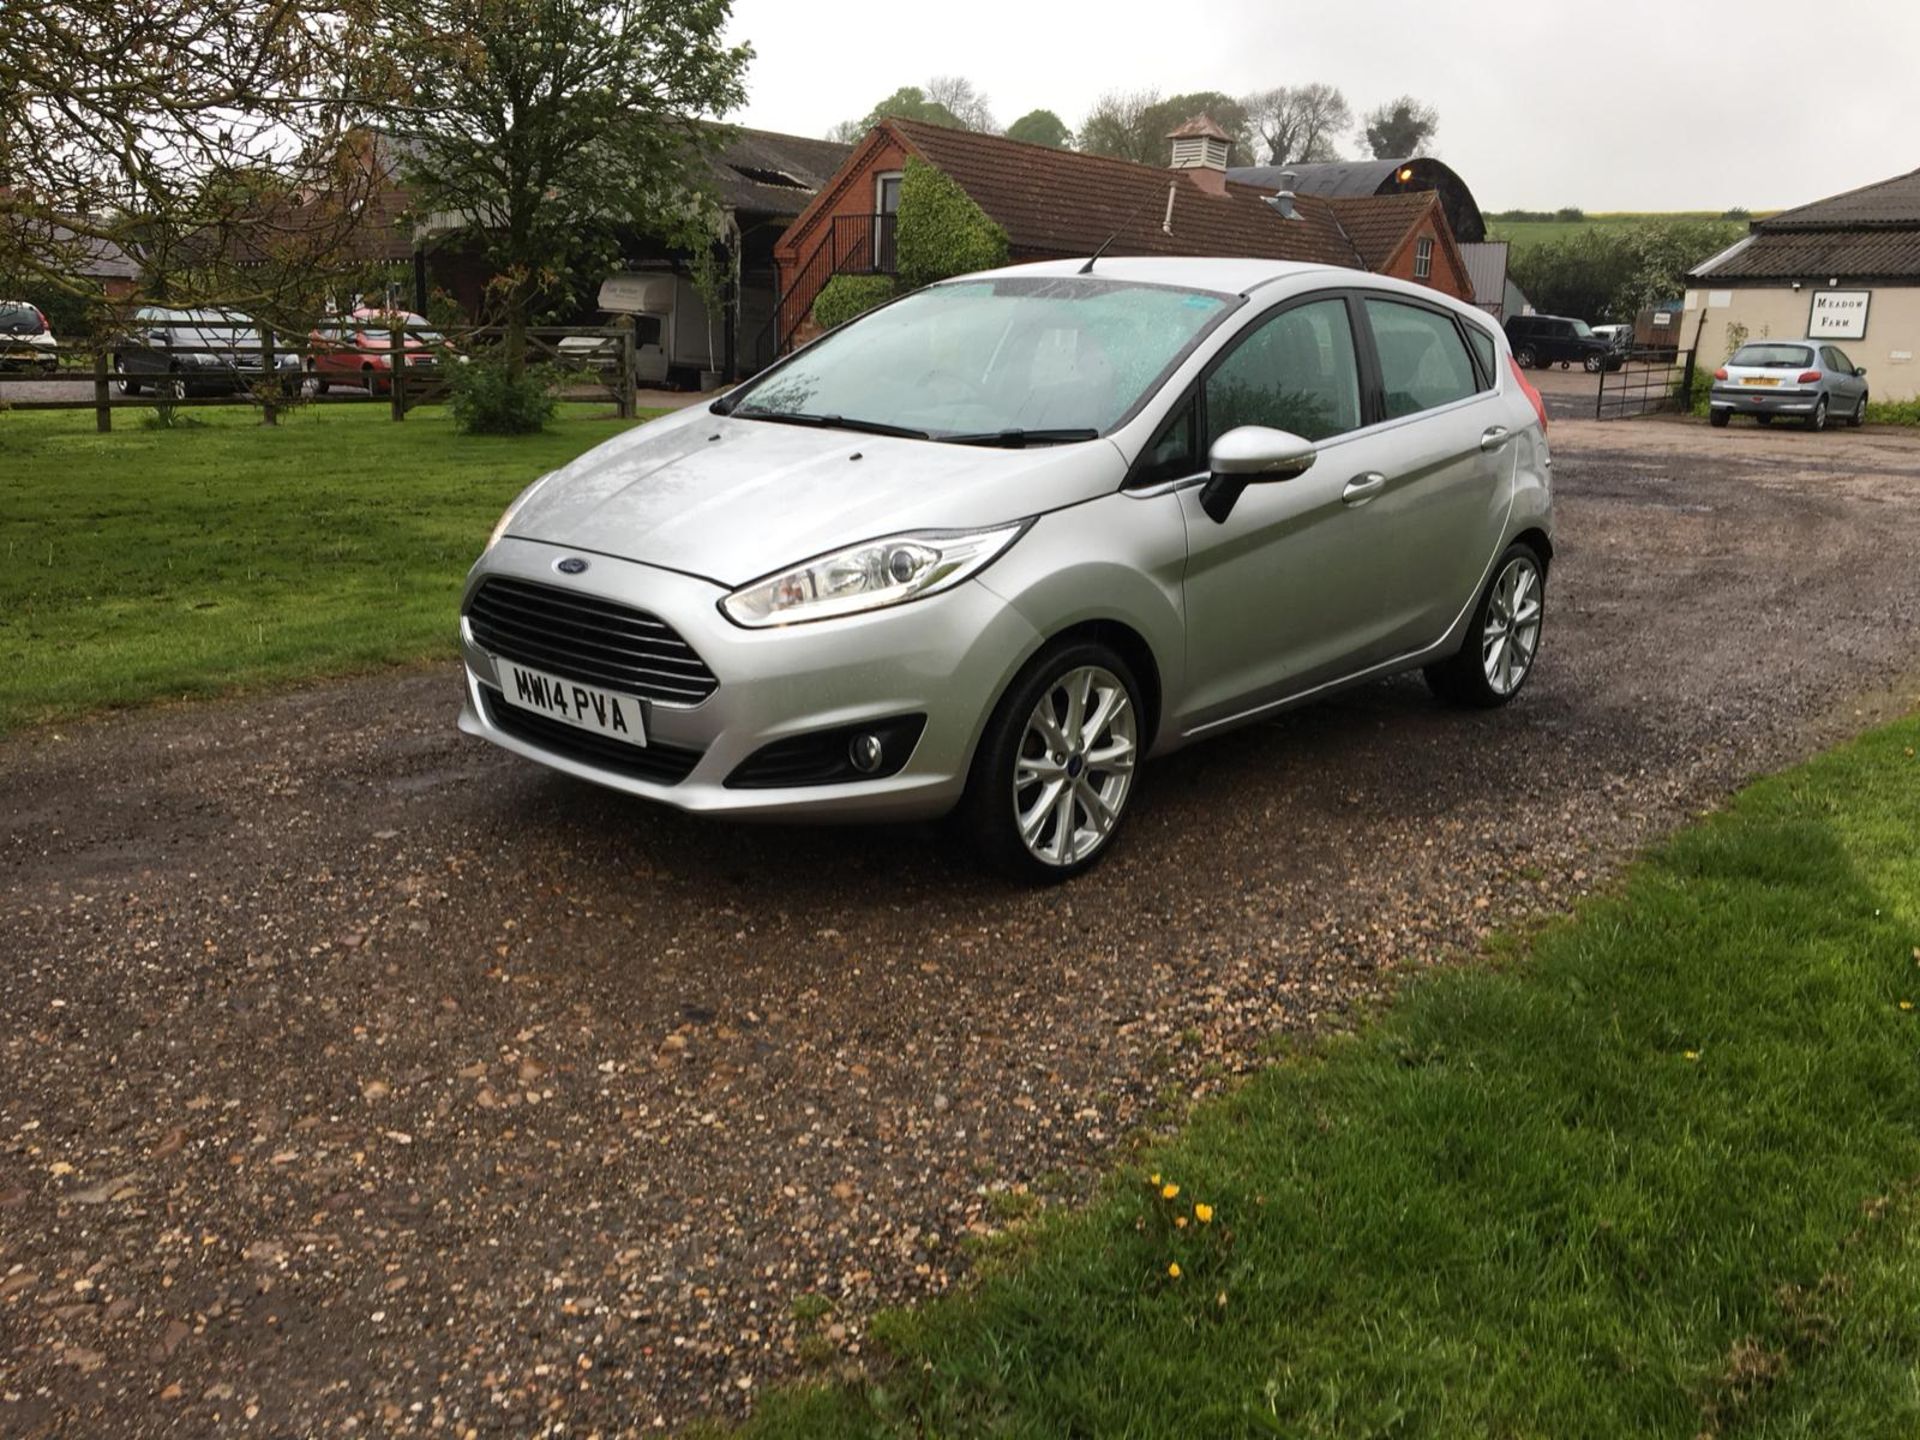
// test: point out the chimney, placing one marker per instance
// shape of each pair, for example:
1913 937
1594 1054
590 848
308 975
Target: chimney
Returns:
1283 202
1201 147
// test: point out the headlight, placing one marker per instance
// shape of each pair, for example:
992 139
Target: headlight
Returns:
506 516
869 576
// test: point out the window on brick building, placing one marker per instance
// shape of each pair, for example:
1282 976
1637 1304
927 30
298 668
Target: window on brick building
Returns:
1423 258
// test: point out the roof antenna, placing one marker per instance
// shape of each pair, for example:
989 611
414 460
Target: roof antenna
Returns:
1087 269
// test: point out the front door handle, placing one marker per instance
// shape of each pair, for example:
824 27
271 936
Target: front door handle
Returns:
1363 488
1494 437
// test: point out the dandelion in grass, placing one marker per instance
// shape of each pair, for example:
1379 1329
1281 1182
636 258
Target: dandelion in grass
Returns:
1179 1222
1173 1271
1691 1054
1906 1004
1154 1179
1169 1190
1203 1213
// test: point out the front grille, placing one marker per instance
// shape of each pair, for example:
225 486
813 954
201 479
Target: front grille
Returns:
586 638
667 764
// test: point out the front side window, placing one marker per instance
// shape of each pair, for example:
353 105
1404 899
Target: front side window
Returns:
1294 372
1423 258
1423 361
1070 356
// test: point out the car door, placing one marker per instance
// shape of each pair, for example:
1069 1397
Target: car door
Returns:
1846 387
1283 594
1446 443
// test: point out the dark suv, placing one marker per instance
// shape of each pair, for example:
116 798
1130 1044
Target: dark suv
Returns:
1539 340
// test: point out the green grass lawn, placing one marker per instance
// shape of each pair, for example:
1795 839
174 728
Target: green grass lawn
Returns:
1527 233
219 555
1652 1173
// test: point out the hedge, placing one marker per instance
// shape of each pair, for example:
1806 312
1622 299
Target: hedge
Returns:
845 296
942 232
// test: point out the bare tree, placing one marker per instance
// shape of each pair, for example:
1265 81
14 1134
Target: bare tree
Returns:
1134 124
1400 129
1301 124
207 140
967 104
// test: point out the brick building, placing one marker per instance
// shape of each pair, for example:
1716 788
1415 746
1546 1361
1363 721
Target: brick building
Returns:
1056 204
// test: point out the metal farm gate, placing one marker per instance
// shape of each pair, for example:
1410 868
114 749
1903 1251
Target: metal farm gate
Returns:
1648 382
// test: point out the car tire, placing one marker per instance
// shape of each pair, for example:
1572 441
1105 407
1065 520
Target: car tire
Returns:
1508 622
1525 357
1720 419
1595 364
128 385
172 388
1017 763
1859 416
1818 419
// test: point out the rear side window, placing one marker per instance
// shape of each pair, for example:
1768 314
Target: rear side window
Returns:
1295 371
1773 357
1423 361
19 319
1483 347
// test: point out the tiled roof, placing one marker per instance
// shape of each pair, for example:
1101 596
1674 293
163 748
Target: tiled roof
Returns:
1377 224
1868 254
767 173
1894 202
1060 202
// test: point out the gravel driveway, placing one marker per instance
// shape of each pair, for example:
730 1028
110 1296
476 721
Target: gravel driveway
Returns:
360 1079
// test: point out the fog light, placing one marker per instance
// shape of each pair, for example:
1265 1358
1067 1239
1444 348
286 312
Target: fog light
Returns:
865 752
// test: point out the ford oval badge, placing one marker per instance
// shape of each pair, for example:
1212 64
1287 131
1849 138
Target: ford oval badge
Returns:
572 565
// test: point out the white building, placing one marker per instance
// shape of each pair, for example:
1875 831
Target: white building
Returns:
1845 269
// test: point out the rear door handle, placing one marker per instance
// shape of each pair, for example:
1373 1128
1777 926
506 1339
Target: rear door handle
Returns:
1363 488
1494 437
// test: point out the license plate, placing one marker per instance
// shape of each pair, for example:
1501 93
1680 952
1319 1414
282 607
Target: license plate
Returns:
1760 380
585 707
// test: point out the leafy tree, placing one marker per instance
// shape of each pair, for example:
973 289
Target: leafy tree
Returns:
1300 124
1041 127
948 100
1134 125
207 140
1614 271
1401 128
542 128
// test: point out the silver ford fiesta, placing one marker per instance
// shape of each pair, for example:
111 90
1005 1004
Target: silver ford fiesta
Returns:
986 548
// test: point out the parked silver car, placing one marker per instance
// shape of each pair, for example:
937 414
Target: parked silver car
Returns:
1810 379
990 545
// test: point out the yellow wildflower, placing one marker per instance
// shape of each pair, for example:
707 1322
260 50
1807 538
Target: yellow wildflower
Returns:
1906 1004
1179 1222
1203 1213
1169 1190
1154 1179
1692 1054
1173 1271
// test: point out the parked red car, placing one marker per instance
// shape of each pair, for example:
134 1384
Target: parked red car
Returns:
357 349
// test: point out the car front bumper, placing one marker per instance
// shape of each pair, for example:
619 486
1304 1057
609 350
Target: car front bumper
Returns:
1763 400
947 657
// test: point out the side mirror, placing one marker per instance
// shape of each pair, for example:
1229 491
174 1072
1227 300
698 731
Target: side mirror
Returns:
1859 370
1251 455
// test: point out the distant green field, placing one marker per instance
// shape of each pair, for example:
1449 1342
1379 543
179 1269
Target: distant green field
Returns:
1527 233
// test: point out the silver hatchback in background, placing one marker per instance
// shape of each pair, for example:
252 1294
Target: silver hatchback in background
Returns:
990 546
1812 380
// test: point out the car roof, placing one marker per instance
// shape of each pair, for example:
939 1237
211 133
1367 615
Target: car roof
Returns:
1222 276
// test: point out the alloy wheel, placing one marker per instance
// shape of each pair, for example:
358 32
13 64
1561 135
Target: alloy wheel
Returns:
1512 634
1074 767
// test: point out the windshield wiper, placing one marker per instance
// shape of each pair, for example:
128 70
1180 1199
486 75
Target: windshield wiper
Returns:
829 422
1020 439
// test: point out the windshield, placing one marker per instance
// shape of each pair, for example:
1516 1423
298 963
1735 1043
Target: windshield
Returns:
1773 357
1583 330
1067 357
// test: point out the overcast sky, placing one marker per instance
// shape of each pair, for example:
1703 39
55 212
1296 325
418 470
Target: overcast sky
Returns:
1616 105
